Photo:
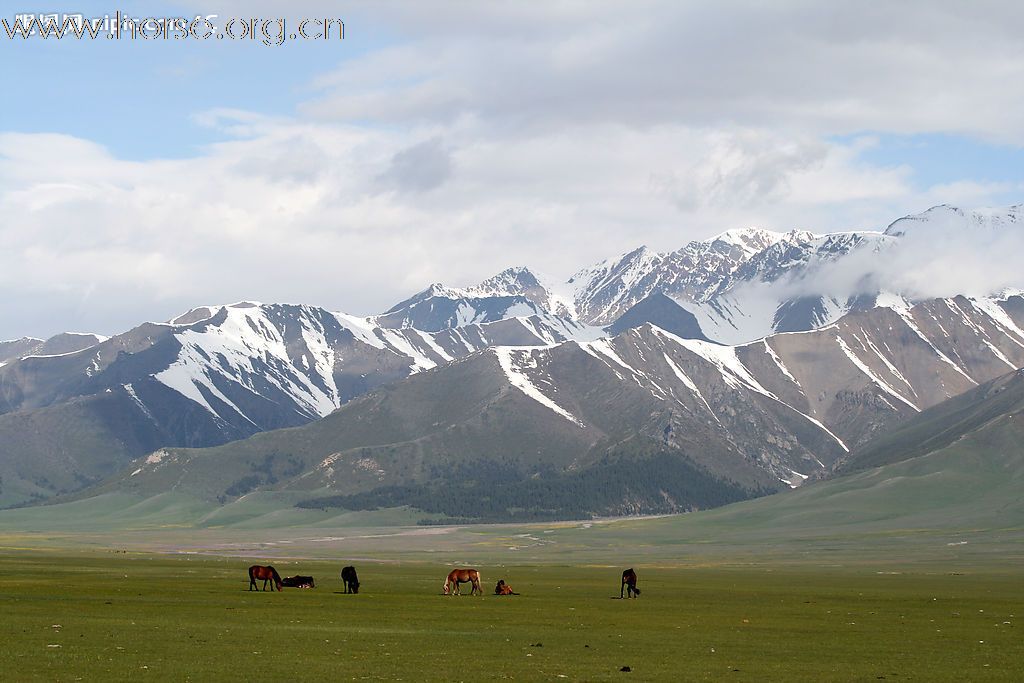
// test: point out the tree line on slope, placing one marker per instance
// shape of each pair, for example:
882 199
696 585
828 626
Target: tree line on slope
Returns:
488 492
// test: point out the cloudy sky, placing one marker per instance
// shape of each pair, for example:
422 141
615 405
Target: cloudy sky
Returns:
445 141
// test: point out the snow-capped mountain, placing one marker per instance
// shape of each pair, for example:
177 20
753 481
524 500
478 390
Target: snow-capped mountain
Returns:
253 366
855 349
695 272
515 292
219 373
662 422
740 285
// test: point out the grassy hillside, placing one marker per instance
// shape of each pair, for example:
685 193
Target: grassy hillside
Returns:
960 504
941 425
55 450
970 486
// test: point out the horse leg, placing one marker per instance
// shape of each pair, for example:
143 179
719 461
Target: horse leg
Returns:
622 589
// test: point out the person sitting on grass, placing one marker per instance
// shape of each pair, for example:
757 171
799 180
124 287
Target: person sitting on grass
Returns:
502 588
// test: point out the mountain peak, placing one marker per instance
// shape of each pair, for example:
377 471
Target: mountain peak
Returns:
510 281
641 252
945 218
743 235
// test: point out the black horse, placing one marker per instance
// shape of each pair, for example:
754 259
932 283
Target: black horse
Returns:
351 579
298 582
629 584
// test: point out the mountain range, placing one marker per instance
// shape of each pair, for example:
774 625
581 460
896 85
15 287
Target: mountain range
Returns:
730 368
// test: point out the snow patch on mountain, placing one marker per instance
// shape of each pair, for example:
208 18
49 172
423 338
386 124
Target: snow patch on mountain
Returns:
732 370
863 367
743 315
233 350
515 362
991 308
688 383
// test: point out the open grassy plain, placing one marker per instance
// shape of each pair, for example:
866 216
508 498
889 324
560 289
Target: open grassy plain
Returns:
112 615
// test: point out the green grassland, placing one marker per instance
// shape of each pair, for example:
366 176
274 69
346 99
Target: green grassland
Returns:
909 570
135 616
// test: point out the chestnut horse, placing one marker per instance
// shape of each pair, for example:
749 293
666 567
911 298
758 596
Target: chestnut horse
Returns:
457 576
257 572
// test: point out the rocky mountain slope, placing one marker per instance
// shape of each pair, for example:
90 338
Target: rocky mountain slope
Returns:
213 375
67 342
946 479
520 428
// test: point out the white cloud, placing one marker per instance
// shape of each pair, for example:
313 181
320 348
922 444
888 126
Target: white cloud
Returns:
906 67
487 135
418 168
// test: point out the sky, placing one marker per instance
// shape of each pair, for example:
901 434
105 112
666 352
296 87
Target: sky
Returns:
445 141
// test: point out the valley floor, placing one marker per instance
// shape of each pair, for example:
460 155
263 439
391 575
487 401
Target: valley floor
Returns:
125 615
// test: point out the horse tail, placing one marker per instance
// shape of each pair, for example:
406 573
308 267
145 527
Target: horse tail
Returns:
252 571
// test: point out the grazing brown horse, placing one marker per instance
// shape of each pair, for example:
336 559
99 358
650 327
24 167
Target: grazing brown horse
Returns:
629 584
457 576
259 572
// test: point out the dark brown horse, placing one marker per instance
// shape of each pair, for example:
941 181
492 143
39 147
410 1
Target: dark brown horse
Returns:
351 579
298 582
457 576
259 572
629 584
